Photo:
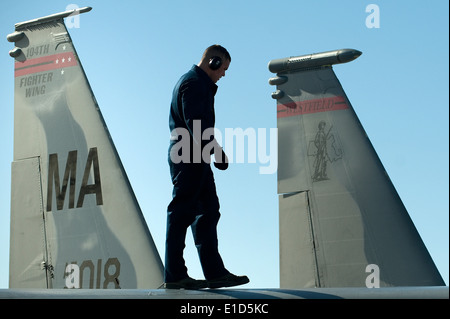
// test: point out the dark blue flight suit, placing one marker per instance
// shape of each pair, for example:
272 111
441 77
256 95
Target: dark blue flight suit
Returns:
194 199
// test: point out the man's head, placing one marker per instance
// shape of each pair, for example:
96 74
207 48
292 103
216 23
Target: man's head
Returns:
215 61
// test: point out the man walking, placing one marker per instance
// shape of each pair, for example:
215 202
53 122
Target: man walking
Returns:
194 199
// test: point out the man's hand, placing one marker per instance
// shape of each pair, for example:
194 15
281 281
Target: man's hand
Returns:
221 160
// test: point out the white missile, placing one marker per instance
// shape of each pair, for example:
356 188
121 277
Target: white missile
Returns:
313 60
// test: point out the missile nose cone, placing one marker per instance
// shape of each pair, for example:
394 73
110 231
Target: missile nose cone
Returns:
357 53
348 55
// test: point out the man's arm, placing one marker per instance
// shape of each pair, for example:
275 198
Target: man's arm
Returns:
195 106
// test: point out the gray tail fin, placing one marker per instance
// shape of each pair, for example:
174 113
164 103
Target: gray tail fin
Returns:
342 223
75 221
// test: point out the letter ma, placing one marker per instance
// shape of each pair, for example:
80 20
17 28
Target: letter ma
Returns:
69 180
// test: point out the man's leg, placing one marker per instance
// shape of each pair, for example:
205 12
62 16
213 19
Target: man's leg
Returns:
180 215
174 266
204 229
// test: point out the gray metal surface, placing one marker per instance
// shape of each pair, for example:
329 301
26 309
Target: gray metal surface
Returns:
228 294
359 233
75 220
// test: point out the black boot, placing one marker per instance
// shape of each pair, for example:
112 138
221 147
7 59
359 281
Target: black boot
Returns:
228 280
186 283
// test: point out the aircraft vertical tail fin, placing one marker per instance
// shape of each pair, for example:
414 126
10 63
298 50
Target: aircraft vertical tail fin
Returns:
75 221
342 223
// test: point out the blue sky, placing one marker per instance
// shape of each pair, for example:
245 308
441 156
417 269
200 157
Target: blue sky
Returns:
133 52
